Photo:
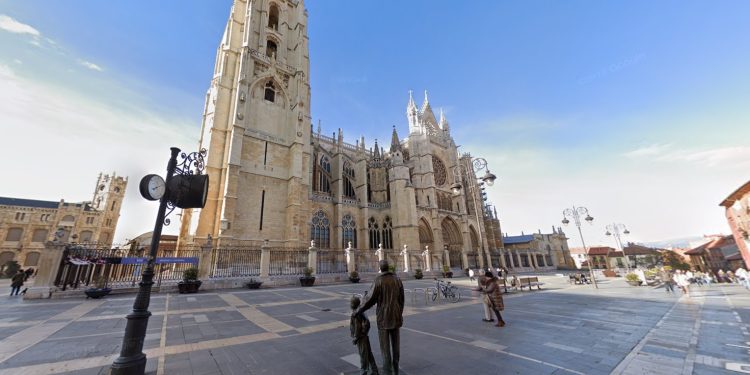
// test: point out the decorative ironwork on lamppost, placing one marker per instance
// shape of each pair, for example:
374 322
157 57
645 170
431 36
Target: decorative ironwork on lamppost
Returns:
184 187
575 213
616 230
459 174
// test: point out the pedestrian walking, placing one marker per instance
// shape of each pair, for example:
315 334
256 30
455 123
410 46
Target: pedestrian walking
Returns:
666 279
494 296
682 281
485 305
17 282
743 277
471 275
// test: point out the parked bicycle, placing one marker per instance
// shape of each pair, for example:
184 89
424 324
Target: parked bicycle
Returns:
444 289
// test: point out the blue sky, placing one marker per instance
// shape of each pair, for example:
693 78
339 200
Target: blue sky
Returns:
637 110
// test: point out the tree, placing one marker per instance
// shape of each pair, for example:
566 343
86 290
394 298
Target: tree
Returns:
11 268
674 260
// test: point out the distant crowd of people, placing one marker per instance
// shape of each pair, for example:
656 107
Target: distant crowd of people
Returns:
683 279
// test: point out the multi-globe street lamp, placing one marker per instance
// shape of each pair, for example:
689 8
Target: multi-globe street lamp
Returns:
616 230
575 213
459 174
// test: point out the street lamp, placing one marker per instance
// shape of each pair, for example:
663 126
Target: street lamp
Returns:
477 164
615 230
184 187
575 213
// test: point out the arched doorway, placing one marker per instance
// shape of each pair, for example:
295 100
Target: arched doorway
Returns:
453 241
426 239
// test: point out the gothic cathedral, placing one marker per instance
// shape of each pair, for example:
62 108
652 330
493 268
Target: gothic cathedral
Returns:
273 177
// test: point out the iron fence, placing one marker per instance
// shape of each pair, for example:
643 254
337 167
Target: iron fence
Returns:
366 261
235 262
83 265
287 262
331 261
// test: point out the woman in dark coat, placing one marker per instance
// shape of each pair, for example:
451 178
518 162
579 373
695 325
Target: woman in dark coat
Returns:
17 282
494 297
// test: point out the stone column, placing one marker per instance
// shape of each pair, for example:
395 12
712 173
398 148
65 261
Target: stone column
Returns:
510 257
544 261
532 260
204 264
265 261
518 258
465 259
405 254
502 258
350 266
48 266
446 257
312 257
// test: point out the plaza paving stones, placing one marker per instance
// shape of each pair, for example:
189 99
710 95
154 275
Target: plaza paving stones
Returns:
562 329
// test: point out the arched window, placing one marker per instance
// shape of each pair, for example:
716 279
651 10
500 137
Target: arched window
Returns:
270 92
273 17
14 234
68 218
350 231
322 175
271 49
320 230
374 229
40 235
387 233
349 181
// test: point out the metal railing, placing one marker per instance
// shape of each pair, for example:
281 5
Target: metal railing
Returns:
287 262
235 262
83 265
331 261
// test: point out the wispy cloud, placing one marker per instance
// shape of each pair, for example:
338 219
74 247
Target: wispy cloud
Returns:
650 150
729 155
90 65
11 25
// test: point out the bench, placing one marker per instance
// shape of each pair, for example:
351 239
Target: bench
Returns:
529 282
503 284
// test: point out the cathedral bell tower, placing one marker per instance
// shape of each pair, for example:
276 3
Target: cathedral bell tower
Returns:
256 127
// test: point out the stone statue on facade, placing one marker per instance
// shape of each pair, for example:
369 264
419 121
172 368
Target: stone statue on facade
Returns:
426 255
387 292
405 254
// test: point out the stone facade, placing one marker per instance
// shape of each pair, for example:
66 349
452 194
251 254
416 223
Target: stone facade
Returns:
274 177
26 224
737 211
538 250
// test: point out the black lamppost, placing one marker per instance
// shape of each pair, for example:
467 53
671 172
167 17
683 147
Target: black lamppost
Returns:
477 164
183 190
616 230
575 213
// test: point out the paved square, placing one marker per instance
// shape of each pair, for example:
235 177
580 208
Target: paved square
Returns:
561 329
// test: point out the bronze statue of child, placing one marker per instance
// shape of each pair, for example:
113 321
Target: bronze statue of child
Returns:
360 327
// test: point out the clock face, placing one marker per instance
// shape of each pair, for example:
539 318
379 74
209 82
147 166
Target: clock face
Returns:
152 187
156 187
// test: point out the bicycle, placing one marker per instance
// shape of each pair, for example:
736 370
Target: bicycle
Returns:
444 289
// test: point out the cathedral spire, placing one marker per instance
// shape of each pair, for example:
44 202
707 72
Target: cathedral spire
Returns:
443 121
395 144
426 103
377 150
411 106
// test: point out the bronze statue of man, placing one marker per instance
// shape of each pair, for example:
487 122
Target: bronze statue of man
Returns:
388 293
